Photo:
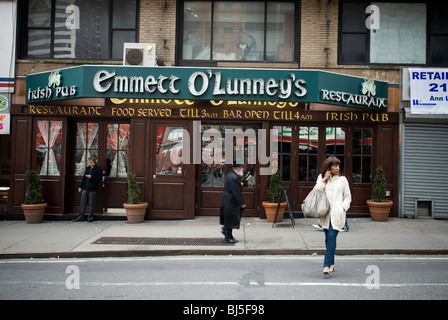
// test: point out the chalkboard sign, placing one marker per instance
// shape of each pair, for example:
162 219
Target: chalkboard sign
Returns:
289 207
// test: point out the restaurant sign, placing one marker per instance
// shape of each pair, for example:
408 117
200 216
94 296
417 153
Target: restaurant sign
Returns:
180 83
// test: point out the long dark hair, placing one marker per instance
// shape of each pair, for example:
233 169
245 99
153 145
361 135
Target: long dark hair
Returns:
326 165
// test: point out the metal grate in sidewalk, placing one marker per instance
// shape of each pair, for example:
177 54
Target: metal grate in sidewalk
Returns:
163 241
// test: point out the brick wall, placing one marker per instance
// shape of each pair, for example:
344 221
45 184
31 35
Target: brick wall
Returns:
157 24
318 41
319 34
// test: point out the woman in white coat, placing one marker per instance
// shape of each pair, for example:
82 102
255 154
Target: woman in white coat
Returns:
338 194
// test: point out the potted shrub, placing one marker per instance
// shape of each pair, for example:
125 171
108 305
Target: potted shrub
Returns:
379 205
34 206
135 208
273 194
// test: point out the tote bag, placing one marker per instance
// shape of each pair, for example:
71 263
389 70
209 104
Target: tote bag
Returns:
316 204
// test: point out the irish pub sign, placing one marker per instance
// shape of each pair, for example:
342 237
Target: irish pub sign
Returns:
180 83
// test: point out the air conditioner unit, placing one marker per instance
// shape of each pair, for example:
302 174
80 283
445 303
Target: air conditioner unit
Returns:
139 54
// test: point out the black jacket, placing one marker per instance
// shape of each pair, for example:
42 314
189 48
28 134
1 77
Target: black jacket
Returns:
232 200
92 183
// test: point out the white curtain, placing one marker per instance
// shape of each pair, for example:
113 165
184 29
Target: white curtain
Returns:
117 144
87 135
50 132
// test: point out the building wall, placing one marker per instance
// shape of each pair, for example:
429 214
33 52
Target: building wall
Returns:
318 42
157 24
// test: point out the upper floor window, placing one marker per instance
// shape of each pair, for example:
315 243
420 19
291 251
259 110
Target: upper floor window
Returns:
77 29
410 33
239 31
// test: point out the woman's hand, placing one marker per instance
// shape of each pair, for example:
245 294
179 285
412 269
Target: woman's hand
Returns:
327 175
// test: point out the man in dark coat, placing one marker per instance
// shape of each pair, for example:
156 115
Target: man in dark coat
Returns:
233 204
89 184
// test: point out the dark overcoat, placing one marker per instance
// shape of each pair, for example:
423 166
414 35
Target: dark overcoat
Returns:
232 200
92 183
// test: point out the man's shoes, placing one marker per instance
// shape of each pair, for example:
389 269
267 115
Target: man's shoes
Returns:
230 240
90 219
79 218
222 231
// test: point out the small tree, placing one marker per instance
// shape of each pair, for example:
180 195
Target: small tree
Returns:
33 193
134 192
274 190
379 186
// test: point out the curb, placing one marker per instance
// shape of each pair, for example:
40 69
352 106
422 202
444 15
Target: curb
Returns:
243 252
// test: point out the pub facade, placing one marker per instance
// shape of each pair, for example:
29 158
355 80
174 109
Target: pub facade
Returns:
218 78
175 128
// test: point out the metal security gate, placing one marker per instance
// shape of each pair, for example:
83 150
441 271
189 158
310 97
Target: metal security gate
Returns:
425 170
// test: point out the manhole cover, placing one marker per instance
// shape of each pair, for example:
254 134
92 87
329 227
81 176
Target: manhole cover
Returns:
163 241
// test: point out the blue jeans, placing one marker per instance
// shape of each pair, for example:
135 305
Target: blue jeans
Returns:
330 245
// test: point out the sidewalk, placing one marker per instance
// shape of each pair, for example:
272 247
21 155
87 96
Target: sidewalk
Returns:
256 237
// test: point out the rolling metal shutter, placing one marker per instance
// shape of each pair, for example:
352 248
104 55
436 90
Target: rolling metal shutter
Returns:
425 168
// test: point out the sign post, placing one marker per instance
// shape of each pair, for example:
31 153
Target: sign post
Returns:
289 207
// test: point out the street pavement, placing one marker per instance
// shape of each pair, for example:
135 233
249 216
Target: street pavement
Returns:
65 239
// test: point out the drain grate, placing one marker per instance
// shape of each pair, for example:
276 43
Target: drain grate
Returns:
163 241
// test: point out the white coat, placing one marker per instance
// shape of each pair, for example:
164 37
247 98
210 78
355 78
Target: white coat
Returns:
338 194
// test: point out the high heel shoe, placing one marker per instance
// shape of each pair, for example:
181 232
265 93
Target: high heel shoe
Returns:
326 272
330 270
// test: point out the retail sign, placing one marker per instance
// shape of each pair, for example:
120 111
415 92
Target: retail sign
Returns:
5 117
429 90
127 82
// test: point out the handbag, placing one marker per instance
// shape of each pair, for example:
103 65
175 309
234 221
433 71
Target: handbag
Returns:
316 204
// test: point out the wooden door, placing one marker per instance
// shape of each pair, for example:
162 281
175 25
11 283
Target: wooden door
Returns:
109 142
213 169
172 179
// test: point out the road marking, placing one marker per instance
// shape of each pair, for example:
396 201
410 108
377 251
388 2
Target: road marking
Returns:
225 283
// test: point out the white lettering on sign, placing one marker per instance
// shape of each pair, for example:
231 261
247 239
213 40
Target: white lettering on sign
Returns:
103 80
354 99
198 84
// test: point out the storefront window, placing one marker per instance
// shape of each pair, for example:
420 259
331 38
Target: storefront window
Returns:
67 29
86 145
239 31
335 144
117 150
284 151
169 145
308 147
49 147
362 155
213 152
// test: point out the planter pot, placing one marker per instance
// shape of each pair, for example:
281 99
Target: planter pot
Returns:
379 211
271 208
34 213
135 212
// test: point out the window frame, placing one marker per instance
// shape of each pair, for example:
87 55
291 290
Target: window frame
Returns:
214 63
429 7
61 148
23 29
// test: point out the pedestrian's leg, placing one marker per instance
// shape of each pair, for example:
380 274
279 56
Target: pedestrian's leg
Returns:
92 200
228 233
82 206
330 244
